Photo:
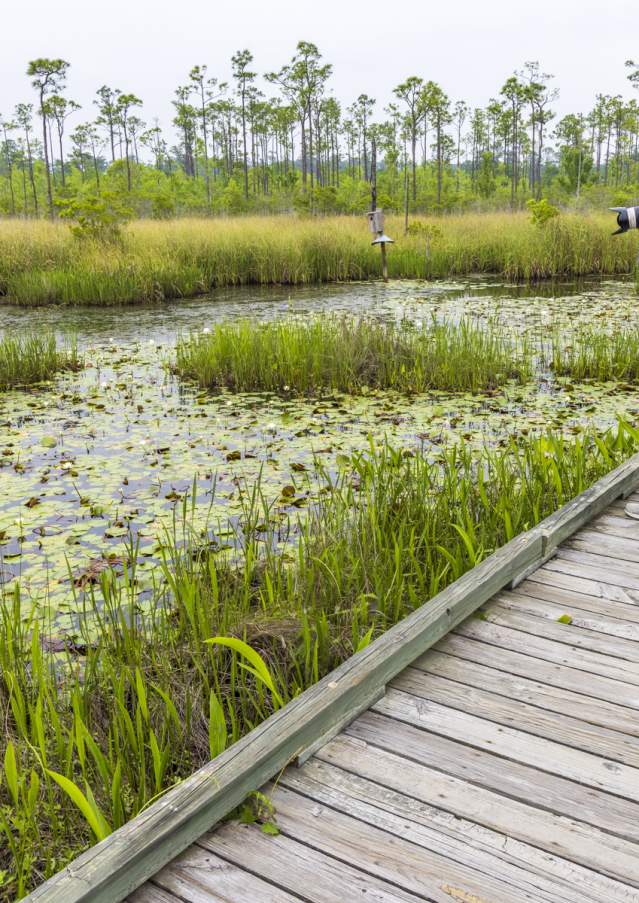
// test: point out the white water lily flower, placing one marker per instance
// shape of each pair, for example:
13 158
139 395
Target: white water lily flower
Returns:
206 330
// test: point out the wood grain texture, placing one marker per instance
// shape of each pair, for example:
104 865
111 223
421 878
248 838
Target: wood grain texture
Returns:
513 744
531 719
348 773
512 661
527 690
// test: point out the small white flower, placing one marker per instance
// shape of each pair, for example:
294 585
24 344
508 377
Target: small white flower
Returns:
206 330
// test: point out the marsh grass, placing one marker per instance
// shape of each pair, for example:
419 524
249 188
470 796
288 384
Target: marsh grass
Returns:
595 354
98 724
42 263
34 358
340 353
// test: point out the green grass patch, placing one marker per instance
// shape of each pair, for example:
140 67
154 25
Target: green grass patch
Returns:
34 358
601 355
337 353
43 263
98 723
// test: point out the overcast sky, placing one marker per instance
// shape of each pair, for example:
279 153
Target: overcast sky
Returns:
468 46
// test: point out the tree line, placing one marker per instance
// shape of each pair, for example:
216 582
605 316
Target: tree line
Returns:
234 147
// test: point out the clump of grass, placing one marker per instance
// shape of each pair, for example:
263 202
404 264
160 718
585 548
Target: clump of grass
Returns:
42 263
99 723
598 354
337 353
34 358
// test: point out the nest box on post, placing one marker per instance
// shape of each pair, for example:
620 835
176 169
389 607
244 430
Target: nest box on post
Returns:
627 218
376 225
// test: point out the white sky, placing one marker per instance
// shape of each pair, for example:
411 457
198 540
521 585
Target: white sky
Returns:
469 46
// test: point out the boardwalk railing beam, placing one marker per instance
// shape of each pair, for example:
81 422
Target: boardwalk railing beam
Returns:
112 869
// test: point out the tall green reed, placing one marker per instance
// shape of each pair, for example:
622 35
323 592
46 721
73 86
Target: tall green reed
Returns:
33 358
338 353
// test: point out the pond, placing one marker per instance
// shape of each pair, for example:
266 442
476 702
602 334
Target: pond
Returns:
98 459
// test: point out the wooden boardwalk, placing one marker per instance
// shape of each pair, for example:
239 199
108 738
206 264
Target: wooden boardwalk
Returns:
500 766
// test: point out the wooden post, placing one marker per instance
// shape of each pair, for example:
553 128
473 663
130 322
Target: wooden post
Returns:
374 203
384 263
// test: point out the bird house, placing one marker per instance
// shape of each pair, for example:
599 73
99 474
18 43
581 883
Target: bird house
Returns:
376 221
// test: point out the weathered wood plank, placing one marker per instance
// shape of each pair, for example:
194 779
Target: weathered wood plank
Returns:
604 570
575 582
573 655
545 755
515 662
554 699
292 866
597 542
555 795
614 638
621 637
531 719
114 867
478 818
199 876
149 893
462 841
625 610
612 524
621 568
397 851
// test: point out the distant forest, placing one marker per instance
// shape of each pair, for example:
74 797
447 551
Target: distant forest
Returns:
233 148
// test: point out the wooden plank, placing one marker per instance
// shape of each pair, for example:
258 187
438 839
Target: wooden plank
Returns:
199 876
554 795
578 583
572 655
517 832
522 665
397 851
541 600
545 696
621 568
299 868
580 633
530 719
611 524
113 868
515 662
559 595
149 893
621 637
462 841
603 570
510 743
600 543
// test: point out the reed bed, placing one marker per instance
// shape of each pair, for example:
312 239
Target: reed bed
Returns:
340 353
43 263
99 723
34 358
595 354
